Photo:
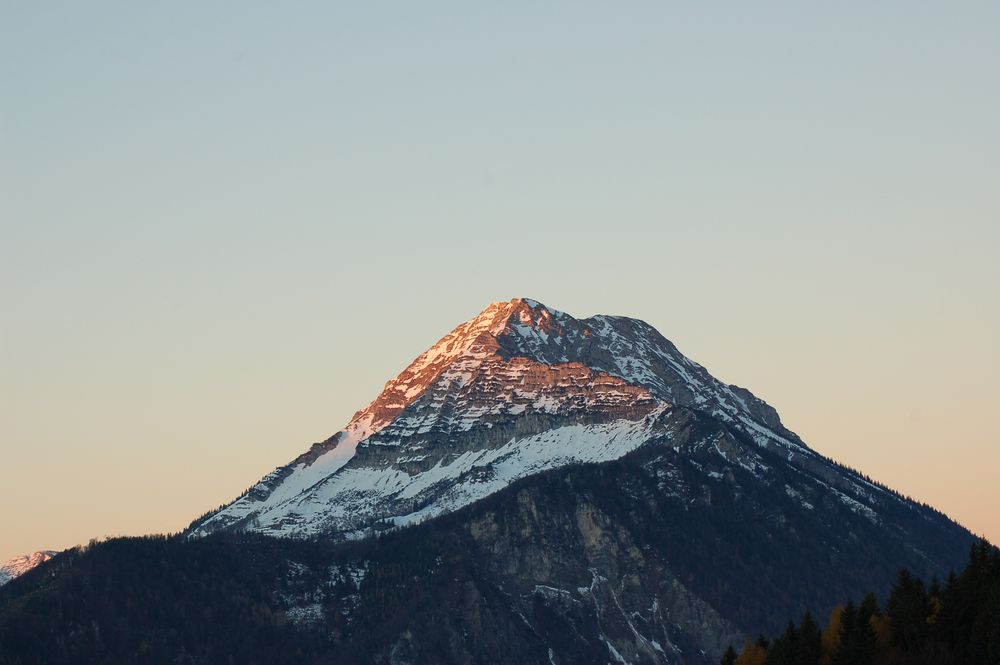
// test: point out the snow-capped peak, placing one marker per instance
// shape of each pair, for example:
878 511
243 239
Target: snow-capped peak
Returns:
517 370
19 565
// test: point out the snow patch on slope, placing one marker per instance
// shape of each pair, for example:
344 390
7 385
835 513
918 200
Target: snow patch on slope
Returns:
352 499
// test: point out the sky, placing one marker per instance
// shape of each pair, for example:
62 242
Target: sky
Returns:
225 225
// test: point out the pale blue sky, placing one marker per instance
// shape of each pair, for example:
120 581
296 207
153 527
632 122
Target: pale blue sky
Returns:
225 226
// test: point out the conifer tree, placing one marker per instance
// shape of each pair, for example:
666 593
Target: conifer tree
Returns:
863 638
809 647
782 650
842 652
908 609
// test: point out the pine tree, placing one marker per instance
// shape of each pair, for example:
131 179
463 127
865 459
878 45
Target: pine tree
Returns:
946 627
847 619
782 651
863 638
908 609
809 647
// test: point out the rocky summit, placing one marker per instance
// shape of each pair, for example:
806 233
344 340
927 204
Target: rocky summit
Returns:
519 389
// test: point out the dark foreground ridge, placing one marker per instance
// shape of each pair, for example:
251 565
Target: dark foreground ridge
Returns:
570 566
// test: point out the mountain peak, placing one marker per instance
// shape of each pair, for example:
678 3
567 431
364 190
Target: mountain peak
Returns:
461 350
517 389
526 309
19 565
523 311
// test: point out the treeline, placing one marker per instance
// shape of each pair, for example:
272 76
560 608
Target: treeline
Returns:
158 600
954 623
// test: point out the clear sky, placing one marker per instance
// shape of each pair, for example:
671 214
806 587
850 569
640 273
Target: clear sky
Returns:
225 226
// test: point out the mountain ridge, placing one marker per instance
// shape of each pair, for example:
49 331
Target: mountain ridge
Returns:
532 488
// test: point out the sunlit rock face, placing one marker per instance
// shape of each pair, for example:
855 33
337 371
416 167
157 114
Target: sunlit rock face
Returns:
19 565
519 389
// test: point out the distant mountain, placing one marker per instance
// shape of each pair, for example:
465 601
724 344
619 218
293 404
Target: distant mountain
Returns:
534 488
19 565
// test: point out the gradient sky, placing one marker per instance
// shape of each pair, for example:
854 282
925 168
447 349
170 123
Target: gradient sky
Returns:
225 226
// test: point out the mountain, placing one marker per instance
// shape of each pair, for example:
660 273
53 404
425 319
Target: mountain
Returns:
534 488
19 565
518 389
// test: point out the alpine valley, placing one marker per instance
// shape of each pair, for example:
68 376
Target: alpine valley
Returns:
534 488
